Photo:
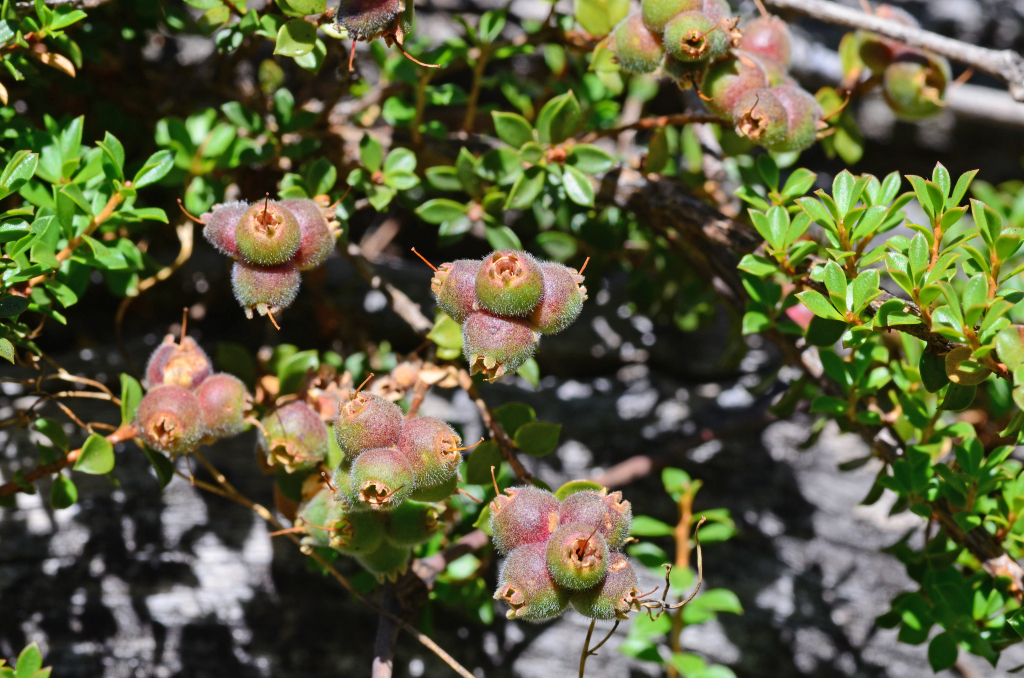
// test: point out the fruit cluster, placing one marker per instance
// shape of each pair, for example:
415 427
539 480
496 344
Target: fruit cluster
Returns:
389 460
505 303
270 242
187 404
371 19
741 71
561 553
914 81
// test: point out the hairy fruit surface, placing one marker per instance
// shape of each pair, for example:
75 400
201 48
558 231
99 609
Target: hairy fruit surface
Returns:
367 421
219 226
637 48
509 283
387 561
608 513
693 36
411 524
169 420
369 19
526 585
768 37
356 533
381 479
523 515
729 79
614 596
915 87
316 238
495 346
454 285
268 234
265 289
437 491
563 298
802 117
431 446
657 13
174 364
224 401
760 116
293 436
577 556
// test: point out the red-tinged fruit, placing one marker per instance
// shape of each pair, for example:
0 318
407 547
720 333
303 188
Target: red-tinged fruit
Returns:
523 515
563 298
387 561
293 436
693 36
526 585
761 117
411 524
314 514
317 237
381 479
509 283
914 86
768 37
219 226
803 118
729 79
224 401
369 19
366 422
577 556
614 596
175 364
265 289
495 346
454 285
657 13
637 48
432 448
268 234
608 513
169 420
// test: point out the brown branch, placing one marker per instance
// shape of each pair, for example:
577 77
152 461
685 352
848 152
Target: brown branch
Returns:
656 122
119 436
497 432
1005 64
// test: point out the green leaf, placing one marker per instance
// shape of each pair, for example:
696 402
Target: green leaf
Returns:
578 186
52 429
590 159
942 652
7 350
526 189
824 331
557 245
514 415
559 119
503 238
798 183
481 459
1010 346
296 38
161 465
959 398
818 305
97 456
370 152
513 129
439 210
835 282
12 305
574 486
598 17
530 371
719 600
29 662
817 212
988 221
214 18
645 526
131 395
19 170
446 333
302 7
933 371
538 438
63 492
155 169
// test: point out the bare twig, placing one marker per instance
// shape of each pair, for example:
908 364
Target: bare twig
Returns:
1005 64
497 432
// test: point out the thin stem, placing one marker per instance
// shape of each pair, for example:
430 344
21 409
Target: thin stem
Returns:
474 92
497 432
586 647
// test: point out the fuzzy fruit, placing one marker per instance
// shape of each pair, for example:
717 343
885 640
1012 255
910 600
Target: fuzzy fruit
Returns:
356 533
637 48
612 516
268 234
614 596
760 116
265 289
562 301
183 364
657 13
577 556
317 239
219 226
523 515
169 420
454 285
411 524
526 585
693 36
381 479
729 79
369 19
387 562
366 422
509 283
914 86
802 117
686 74
768 37
315 515
878 51
495 346
224 401
438 491
293 436
431 446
